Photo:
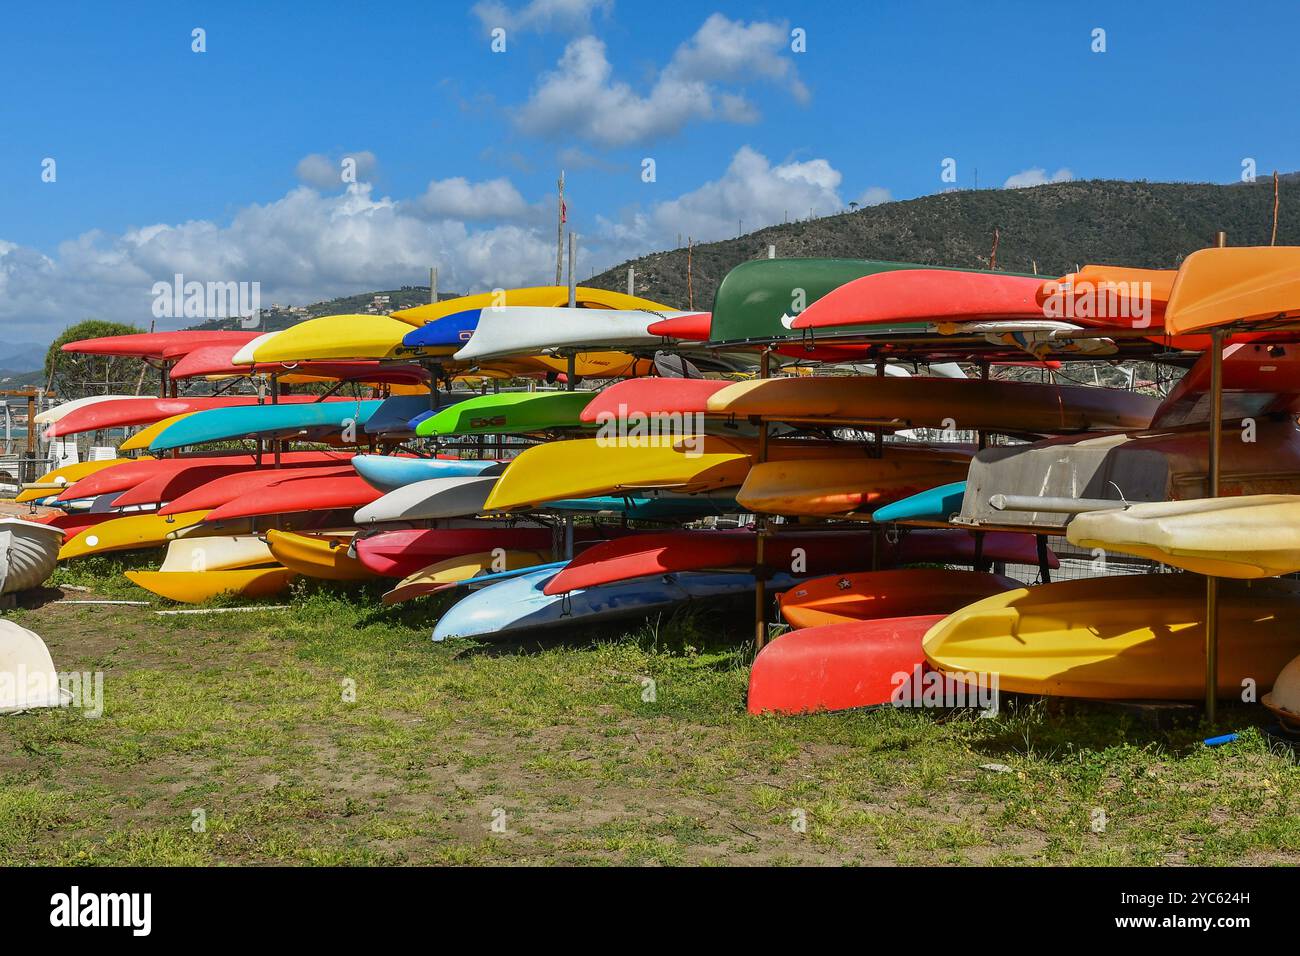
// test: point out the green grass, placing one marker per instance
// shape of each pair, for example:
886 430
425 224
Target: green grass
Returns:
246 718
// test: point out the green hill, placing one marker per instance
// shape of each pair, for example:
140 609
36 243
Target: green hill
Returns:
1049 228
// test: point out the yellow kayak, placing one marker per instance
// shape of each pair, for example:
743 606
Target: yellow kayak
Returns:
1252 536
330 337
127 533
317 556
195 587
547 296
461 568
936 403
56 481
142 439
1122 637
850 486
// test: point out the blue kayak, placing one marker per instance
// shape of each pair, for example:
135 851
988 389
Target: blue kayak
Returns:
937 504
518 604
387 473
394 414
449 332
307 420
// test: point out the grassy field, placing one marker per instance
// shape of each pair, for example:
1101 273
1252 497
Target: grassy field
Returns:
337 732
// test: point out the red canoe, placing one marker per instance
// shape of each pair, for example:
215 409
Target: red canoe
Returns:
145 411
652 396
398 554
308 493
156 345
128 474
867 595
838 666
641 555
920 295
225 489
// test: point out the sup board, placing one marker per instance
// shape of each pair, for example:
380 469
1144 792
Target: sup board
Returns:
196 587
838 666
867 595
1255 536
1126 636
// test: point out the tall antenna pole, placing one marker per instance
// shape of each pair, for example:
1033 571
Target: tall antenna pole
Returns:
559 233
433 286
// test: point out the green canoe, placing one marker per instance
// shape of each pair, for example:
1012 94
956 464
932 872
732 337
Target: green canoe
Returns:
509 413
755 296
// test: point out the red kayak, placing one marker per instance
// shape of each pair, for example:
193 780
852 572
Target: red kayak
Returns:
216 360
156 345
309 493
145 411
686 328
228 488
868 595
398 554
652 396
128 474
920 295
76 521
1258 380
838 666
641 555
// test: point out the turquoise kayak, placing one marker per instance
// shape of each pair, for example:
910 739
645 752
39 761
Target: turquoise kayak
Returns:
307 420
937 504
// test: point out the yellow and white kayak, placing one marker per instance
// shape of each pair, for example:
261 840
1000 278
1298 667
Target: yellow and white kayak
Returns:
56 481
317 556
142 439
1252 536
224 552
461 568
552 296
127 533
195 587
1121 637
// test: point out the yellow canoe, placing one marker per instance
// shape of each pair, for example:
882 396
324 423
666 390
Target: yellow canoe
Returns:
127 533
1252 536
547 296
54 482
936 403
142 439
461 568
317 556
330 337
1121 637
195 587
1248 283
850 486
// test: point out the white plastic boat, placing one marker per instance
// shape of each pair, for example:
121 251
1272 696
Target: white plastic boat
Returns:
28 553
516 330
27 675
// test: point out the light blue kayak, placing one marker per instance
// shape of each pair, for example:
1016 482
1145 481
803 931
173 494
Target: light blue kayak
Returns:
395 413
388 473
651 507
517 605
307 419
937 504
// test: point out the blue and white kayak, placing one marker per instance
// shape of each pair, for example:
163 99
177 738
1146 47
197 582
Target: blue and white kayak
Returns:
387 473
936 504
449 332
519 604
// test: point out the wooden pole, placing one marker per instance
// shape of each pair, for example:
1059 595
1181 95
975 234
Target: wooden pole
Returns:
1212 491
573 281
1273 241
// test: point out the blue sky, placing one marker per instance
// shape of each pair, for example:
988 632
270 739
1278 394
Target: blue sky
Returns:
221 164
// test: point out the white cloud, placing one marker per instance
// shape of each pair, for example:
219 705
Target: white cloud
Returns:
539 15
325 172
458 198
580 99
1037 176
874 196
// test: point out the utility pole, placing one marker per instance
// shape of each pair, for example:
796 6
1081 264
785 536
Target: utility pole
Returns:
631 280
433 286
559 233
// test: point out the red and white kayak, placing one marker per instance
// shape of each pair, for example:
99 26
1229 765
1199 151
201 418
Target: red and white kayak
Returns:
652 396
128 474
156 345
220 491
146 411
399 554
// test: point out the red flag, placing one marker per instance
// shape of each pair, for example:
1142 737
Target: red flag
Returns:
564 212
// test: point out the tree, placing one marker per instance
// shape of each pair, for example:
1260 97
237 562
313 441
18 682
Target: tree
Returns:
73 375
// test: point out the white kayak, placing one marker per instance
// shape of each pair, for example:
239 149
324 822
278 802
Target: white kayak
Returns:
517 330
431 498
220 552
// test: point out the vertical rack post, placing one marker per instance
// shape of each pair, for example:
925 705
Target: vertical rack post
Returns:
760 581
